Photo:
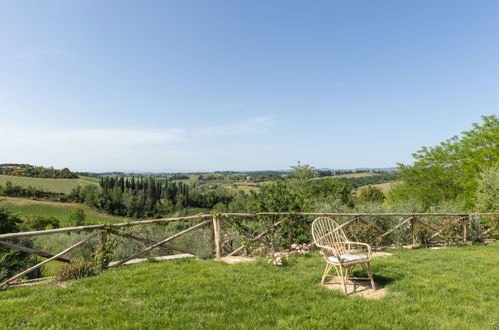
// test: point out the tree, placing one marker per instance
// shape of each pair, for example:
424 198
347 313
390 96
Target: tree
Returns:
450 170
371 194
278 197
303 172
331 190
38 222
487 195
77 217
11 261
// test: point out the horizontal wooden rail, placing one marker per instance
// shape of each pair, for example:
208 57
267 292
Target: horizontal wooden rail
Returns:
29 270
96 227
209 216
32 251
149 248
216 220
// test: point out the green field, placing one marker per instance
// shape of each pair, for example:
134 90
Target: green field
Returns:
61 211
52 185
453 288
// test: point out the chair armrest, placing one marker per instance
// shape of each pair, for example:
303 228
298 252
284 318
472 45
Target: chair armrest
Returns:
367 246
328 251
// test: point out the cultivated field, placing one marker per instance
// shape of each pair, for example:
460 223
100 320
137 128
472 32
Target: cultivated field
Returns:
452 288
61 211
52 185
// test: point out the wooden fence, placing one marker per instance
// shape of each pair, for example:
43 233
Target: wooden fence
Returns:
404 221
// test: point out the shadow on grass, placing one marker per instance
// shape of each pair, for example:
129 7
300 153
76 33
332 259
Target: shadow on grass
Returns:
380 280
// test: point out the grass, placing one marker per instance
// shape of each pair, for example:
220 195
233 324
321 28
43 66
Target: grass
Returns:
454 288
61 211
52 185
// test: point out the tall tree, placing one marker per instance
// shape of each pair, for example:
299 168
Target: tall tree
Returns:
450 170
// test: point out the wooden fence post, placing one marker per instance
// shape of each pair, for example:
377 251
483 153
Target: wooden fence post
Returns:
413 222
103 240
218 239
103 258
465 229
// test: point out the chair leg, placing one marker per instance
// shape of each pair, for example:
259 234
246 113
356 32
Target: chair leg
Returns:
345 276
370 274
326 271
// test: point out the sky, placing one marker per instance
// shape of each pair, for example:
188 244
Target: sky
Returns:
171 86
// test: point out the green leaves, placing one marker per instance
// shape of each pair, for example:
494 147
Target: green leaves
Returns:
450 170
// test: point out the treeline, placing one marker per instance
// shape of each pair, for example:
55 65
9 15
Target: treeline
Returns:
368 180
141 197
322 173
36 171
30 192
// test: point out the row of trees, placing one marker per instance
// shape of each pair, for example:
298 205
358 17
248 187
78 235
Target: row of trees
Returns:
141 197
36 171
30 192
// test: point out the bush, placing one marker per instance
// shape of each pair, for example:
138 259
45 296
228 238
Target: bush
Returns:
77 217
371 194
38 222
75 270
487 195
12 261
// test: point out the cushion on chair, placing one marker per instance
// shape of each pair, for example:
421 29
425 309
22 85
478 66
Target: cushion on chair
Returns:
348 257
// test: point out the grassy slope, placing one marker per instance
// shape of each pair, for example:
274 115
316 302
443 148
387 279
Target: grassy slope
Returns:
53 185
61 211
448 288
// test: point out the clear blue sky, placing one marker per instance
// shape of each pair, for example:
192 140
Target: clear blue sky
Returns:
241 85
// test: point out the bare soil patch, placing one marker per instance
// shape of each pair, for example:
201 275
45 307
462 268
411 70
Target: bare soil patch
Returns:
358 288
172 257
236 259
381 254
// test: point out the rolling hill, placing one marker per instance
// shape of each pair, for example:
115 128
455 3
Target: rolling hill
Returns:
53 185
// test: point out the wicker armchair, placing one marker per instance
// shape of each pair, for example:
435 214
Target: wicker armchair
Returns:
340 253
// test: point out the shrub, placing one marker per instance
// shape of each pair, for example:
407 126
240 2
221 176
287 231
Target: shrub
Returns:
38 222
363 232
282 258
12 261
77 217
371 194
75 270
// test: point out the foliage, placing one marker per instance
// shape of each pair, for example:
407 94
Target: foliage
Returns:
370 194
361 232
281 258
39 222
76 269
330 189
356 182
487 195
278 197
302 173
105 253
450 170
36 171
77 217
12 261
19 191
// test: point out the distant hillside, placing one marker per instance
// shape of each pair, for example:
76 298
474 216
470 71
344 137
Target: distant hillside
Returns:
36 171
61 211
52 185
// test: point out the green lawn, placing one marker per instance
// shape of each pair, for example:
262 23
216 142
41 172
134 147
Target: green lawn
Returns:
52 185
61 211
454 288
